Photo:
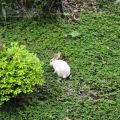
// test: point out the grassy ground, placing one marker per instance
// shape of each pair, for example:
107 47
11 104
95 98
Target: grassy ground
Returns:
93 93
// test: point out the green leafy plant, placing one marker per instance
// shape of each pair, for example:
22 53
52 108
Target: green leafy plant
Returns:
74 34
94 57
4 12
20 72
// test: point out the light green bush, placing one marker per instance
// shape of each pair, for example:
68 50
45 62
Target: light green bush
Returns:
20 72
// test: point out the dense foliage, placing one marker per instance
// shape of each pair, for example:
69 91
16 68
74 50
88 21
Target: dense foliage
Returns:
28 8
20 72
92 48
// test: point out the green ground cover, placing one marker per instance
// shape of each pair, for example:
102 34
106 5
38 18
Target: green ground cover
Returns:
93 93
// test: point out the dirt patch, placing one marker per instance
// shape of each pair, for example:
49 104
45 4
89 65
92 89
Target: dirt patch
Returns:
72 8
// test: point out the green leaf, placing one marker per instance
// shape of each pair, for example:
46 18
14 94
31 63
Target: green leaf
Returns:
74 34
4 13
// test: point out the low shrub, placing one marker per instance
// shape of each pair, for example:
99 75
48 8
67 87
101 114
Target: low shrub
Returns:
20 72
